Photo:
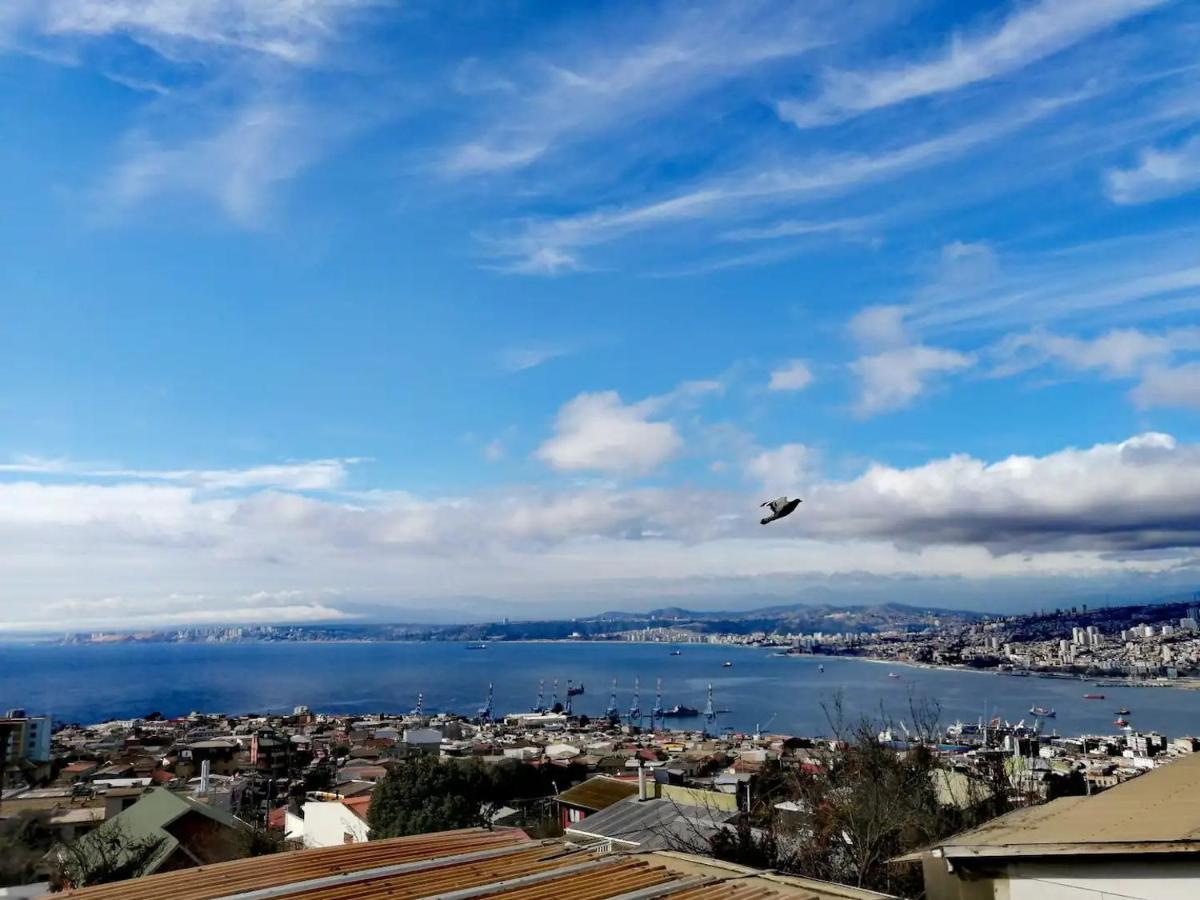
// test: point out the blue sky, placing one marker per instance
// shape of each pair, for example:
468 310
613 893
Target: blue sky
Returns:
322 309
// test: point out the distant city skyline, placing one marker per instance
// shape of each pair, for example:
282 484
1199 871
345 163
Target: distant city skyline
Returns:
348 310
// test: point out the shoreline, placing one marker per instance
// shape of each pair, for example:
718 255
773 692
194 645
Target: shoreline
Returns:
1188 683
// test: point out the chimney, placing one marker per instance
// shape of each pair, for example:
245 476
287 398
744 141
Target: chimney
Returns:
204 770
643 788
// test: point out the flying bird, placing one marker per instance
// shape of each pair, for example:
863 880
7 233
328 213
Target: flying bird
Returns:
780 507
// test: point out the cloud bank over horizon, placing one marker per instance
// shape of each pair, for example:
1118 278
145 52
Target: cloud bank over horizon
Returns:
246 547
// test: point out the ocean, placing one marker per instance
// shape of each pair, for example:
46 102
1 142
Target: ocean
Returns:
90 683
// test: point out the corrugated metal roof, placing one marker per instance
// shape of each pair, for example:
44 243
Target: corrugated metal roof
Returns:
598 792
653 824
1157 811
465 865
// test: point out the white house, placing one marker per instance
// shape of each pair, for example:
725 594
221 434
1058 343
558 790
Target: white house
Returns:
1139 840
328 823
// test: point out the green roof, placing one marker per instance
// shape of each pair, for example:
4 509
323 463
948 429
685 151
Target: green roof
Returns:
150 817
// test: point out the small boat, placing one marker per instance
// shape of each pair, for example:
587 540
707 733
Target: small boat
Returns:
677 653
1123 711
1042 712
1093 696
892 675
574 690
1121 722
727 664
476 646
680 712
821 668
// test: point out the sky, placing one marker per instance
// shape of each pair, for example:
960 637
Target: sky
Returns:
394 310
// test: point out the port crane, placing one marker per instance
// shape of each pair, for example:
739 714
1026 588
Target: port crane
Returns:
657 712
635 707
612 713
485 711
710 711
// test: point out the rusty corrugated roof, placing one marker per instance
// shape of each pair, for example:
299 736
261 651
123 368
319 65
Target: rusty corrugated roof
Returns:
466 864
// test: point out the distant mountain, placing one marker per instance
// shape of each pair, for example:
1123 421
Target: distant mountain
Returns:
795 617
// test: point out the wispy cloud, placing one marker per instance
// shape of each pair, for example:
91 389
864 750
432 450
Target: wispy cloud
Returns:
227 118
236 166
1087 284
1159 173
1118 353
1031 33
315 475
520 358
294 31
611 80
754 190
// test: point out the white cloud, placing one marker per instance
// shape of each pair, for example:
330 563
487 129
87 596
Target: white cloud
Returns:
894 378
879 327
598 432
1174 387
494 450
1158 174
783 469
1033 32
795 375
1118 353
1135 494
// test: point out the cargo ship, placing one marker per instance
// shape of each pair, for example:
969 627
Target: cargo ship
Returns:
1042 712
680 712
1093 696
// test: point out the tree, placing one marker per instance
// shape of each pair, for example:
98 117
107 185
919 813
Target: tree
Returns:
426 794
23 843
102 856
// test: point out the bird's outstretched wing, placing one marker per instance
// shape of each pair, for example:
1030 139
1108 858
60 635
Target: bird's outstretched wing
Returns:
777 504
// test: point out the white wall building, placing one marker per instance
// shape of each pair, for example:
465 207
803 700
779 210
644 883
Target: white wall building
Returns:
328 823
1139 840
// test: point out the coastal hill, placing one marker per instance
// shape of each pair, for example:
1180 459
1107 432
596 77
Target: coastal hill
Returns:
795 618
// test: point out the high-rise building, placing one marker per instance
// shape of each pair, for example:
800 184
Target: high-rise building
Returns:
28 736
